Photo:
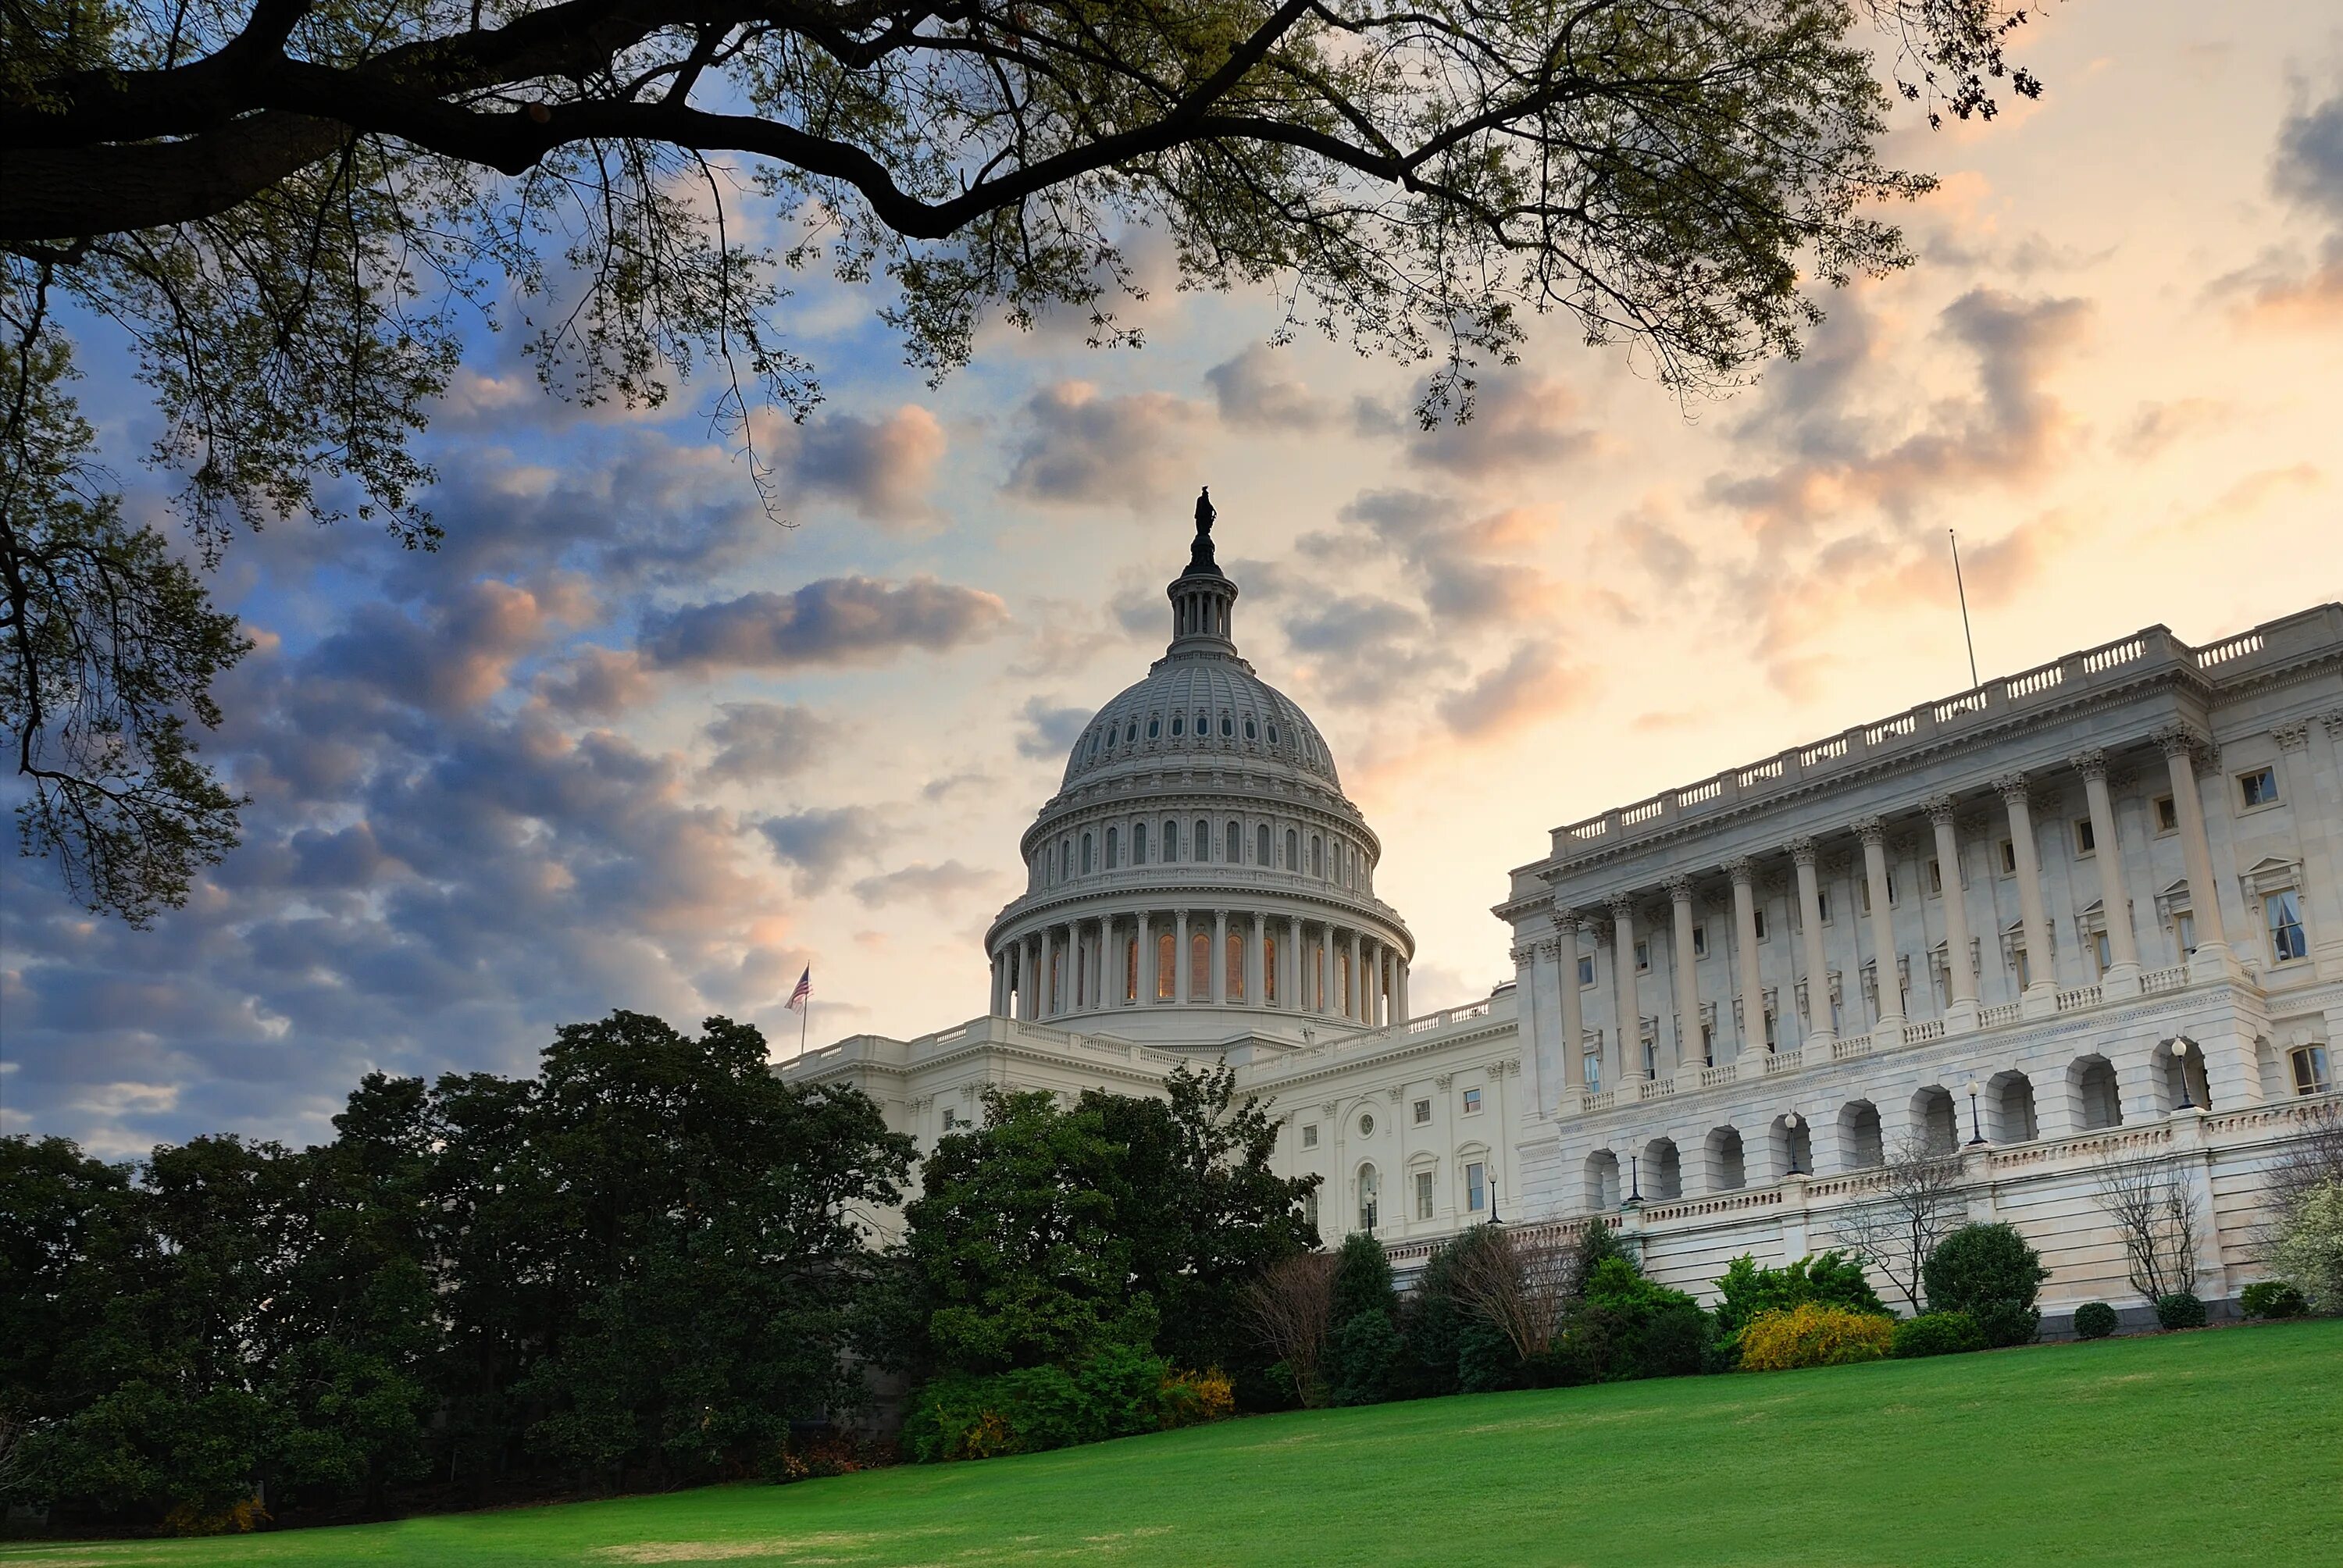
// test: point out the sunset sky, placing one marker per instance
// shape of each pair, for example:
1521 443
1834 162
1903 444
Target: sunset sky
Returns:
622 741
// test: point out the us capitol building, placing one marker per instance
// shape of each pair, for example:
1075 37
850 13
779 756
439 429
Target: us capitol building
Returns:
2089 911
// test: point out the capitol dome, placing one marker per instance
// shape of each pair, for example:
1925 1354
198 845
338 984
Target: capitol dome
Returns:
1200 877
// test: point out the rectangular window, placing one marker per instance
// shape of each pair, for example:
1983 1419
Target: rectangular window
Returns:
1821 904
1423 1194
1310 1207
1760 915
2183 931
1769 1031
2283 911
2310 1070
1700 941
1594 1074
1585 971
1708 1045
2025 970
1472 1102
1423 1111
1642 957
1309 1135
2168 815
2008 858
1935 876
2102 954
2087 842
2258 786
951 1120
1862 895
1476 1187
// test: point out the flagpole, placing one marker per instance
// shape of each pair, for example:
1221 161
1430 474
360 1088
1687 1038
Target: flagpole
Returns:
1962 589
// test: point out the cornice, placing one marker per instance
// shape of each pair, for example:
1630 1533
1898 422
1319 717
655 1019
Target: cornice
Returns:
1091 903
1408 1052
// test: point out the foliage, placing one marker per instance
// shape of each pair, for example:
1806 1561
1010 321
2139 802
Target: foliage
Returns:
1119 1392
1916 1198
1291 1309
1936 1334
1362 1362
1746 1288
1815 1335
1624 1327
1517 1284
293 209
642 1258
1362 1279
1990 1273
2094 1320
2310 1251
2273 1299
2180 1309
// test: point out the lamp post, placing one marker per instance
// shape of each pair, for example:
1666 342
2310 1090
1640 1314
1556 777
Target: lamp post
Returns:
2180 1060
1792 1124
1976 1129
1634 1181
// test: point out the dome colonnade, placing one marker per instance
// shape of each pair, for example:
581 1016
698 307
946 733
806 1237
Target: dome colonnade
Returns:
1200 857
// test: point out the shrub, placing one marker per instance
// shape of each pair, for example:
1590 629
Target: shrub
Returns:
2310 1251
1363 1359
1649 1330
2180 1309
1194 1398
1990 1273
1938 1335
2273 1299
1118 1392
1363 1280
1832 1279
1813 1336
2094 1320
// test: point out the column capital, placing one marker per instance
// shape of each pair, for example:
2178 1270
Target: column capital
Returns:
2011 788
1742 870
1872 830
1565 920
2091 763
1679 888
1802 850
1525 953
2333 719
1622 907
1940 809
1548 948
2175 739
2292 737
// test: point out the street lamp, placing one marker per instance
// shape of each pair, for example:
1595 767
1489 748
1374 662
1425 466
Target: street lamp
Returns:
1977 1131
1792 1122
2180 1060
1634 1181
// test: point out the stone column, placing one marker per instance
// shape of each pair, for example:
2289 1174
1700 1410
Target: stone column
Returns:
1149 980
1574 1024
1873 831
1399 987
1626 1006
1355 993
2213 956
1181 963
1256 968
1295 992
2040 999
2122 977
1049 988
1960 974
1752 987
1219 969
1820 1028
2313 775
1325 968
1690 1058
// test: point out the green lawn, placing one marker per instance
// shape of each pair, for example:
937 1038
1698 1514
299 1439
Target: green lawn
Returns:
2222 1448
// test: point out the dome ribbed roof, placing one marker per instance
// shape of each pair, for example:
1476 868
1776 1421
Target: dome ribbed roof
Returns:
1209 707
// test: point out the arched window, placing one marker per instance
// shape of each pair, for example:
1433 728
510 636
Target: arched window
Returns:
1369 1193
1272 734
1317 857
1138 844
1131 733
1086 854
1178 722
1727 1168
1131 969
1236 842
1253 730
1235 960
1167 967
1269 971
1200 966
1065 858
1113 844
1200 846
1260 844
1293 849
1154 726
1203 722
1170 841
1342 980
1227 727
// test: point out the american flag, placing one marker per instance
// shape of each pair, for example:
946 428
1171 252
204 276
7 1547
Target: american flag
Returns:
804 992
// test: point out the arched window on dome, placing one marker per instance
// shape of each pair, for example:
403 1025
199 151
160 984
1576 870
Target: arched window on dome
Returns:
1138 844
1227 727
1113 845
1201 845
1177 720
1200 966
1235 960
1272 734
1065 859
1260 845
1252 729
1269 971
1086 854
1318 857
1131 733
1236 842
1203 723
1167 965
1170 841
1293 849
1154 726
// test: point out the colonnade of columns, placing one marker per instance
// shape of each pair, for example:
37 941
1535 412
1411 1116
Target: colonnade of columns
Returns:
1640 1045
1091 963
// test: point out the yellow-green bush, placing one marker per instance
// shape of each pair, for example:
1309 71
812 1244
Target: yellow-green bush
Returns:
1813 1336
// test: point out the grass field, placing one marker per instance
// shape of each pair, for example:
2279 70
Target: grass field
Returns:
2222 1448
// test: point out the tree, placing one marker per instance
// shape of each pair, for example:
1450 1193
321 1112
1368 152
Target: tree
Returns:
1990 1273
1909 1205
292 207
2310 1254
1518 1282
2155 1215
1292 1308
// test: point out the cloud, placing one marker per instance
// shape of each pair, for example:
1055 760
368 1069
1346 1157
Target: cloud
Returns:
1467 567
1049 731
921 883
760 741
1516 421
1080 447
597 683
2155 427
2308 167
881 467
2284 286
1253 393
835 621
459 653
1531 686
820 842
1349 626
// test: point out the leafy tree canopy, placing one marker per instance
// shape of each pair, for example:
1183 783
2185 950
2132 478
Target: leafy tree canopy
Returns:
293 209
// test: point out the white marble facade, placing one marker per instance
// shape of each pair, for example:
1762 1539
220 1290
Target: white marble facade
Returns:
2066 871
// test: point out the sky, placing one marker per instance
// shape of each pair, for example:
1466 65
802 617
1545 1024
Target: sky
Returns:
623 741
